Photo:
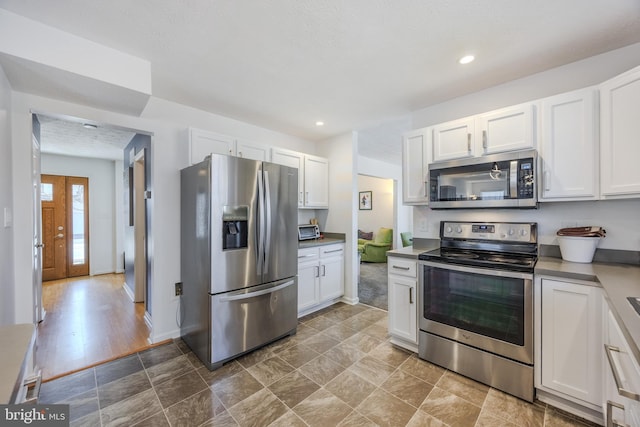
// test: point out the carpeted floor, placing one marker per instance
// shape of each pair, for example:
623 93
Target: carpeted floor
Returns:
372 289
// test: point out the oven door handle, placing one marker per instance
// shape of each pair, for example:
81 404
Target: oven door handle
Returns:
477 270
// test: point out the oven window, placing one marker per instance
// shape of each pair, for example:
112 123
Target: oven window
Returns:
487 305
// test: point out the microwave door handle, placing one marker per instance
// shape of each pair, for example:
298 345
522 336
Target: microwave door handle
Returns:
513 179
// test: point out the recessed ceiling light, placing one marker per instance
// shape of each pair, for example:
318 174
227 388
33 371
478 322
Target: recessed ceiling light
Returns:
319 123
467 59
89 126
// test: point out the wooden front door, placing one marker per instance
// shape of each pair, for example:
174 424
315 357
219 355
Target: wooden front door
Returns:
65 229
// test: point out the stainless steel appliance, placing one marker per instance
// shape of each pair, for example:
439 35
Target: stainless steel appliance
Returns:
506 180
308 231
238 256
476 302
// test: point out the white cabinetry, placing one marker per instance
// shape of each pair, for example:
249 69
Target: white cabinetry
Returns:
313 177
202 143
416 156
507 129
569 147
619 147
569 344
621 407
320 276
403 302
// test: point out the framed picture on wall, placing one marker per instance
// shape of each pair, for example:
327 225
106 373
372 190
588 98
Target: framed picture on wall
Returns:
365 200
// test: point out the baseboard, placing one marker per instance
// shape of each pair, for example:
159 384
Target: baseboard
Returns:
167 336
570 407
350 301
129 293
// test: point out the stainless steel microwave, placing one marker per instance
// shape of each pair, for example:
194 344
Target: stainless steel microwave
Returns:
505 180
308 231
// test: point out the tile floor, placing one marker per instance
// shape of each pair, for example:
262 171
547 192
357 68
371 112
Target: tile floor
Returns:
338 370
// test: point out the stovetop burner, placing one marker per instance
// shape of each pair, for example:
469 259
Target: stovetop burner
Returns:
505 246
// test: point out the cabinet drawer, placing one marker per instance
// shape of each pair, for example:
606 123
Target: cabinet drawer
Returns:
402 267
332 250
308 254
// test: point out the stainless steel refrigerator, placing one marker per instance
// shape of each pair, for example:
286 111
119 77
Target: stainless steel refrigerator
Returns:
238 256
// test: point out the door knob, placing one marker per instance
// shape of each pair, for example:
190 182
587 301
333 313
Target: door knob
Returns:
60 236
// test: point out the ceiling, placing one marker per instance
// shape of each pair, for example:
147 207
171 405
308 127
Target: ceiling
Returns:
355 65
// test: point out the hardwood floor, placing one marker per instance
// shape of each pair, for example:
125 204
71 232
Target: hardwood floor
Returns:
89 320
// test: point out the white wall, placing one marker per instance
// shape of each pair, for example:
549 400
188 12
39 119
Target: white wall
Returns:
102 204
342 217
403 214
619 218
167 122
381 213
6 203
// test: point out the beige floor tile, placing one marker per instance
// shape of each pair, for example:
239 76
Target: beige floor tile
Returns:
270 370
363 342
321 370
450 409
197 409
372 370
356 420
293 388
464 387
422 369
512 409
345 354
298 355
290 419
377 331
226 371
223 419
351 388
321 323
340 332
487 420
322 409
556 418
236 388
390 354
255 356
422 419
320 343
407 388
260 409
386 410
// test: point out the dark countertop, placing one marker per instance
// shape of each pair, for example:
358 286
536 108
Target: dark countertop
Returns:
319 242
618 282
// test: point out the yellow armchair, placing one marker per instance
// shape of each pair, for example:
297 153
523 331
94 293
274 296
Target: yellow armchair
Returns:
376 250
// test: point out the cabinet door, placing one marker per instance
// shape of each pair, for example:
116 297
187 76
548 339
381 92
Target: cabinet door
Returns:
569 148
252 150
416 156
507 129
203 143
454 140
308 281
572 340
295 160
316 182
331 278
403 321
619 147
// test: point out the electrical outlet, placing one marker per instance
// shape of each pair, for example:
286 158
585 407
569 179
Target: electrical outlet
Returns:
178 288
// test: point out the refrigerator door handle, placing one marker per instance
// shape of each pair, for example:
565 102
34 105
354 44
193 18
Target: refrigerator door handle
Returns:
267 229
261 224
248 295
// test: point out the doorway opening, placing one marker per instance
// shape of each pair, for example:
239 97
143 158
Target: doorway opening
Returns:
65 226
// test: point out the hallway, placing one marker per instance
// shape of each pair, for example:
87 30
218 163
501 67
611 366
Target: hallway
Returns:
88 320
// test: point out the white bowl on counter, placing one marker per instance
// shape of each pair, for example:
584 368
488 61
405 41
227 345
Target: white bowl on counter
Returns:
578 249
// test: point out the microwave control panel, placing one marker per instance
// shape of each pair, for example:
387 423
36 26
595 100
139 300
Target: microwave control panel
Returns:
525 179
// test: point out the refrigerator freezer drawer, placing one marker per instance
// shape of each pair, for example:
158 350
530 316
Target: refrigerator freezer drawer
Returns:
250 318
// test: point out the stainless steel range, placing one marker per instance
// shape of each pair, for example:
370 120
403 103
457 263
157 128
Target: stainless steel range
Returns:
476 300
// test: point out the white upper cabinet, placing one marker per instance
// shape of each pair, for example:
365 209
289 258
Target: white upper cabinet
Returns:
313 177
568 150
508 129
316 182
202 143
416 156
619 140
252 150
454 140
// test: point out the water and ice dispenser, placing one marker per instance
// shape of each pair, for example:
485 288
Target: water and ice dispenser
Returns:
235 227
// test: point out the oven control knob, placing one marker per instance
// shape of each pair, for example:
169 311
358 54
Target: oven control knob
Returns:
523 232
511 232
449 229
459 230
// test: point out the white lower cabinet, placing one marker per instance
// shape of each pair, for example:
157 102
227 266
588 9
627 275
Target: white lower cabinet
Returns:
620 403
403 302
569 345
320 276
